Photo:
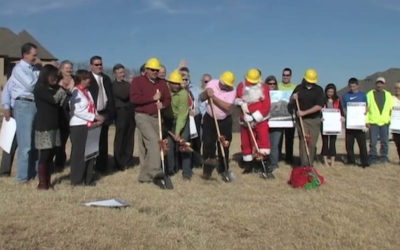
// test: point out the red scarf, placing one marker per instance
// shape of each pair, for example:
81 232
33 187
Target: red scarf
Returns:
85 92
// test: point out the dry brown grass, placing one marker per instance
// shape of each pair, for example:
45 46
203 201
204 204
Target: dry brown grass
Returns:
356 209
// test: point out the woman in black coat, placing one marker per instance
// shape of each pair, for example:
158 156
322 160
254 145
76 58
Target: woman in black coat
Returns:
48 96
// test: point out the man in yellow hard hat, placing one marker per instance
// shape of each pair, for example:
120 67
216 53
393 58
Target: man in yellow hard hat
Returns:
310 97
222 93
149 94
176 119
252 97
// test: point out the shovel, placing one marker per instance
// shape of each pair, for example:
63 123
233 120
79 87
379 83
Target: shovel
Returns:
226 176
306 138
267 174
165 181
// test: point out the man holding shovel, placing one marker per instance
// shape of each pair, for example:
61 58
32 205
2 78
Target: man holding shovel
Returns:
217 124
149 94
308 100
253 98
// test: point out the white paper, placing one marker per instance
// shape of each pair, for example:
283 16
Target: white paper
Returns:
395 121
107 203
332 124
355 115
92 143
192 127
7 134
279 116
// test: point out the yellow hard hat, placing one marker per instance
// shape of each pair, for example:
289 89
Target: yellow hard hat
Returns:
310 75
175 77
153 63
253 76
227 78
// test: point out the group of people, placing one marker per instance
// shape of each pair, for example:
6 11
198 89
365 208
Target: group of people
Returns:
178 126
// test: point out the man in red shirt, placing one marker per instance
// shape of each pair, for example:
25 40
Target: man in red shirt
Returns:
148 93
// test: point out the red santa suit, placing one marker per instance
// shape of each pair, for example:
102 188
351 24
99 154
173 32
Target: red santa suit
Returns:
256 98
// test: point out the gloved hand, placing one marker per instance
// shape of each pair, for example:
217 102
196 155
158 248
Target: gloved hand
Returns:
244 107
248 118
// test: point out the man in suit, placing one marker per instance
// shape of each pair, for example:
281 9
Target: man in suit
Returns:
101 90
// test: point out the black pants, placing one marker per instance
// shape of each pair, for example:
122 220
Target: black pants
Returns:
196 142
81 170
102 159
359 135
210 138
60 153
396 139
124 136
329 145
289 142
7 159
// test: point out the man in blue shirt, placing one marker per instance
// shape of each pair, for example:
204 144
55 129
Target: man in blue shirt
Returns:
20 98
354 95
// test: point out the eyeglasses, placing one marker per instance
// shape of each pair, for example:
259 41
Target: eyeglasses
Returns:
271 83
98 64
286 75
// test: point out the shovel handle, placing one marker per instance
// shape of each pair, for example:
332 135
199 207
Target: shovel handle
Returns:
216 126
302 131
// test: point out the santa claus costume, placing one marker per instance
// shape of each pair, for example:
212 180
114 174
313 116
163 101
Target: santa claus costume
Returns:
253 98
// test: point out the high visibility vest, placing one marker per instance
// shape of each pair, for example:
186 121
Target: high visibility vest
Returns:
374 116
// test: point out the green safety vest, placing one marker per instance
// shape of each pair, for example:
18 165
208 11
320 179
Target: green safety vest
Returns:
374 116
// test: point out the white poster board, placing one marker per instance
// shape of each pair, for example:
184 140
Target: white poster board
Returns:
395 120
92 143
355 115
332 124
7 134
279 115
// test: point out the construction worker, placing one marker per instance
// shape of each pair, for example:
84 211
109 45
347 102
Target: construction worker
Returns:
177 127
310 97
380 104
222 93
252 97
149 94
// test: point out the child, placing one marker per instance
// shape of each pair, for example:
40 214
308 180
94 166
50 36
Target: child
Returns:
83 117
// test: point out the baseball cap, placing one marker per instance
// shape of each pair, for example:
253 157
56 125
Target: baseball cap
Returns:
380 79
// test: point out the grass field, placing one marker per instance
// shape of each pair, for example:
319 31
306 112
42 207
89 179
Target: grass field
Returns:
356 209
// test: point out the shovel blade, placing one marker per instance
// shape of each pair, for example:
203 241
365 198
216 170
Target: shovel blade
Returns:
168 183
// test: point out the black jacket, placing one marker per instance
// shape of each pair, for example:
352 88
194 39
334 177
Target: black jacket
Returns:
109 111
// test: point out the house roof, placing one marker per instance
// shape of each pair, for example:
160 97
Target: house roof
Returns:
11 43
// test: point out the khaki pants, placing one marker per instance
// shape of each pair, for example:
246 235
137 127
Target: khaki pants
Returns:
312 127
149 149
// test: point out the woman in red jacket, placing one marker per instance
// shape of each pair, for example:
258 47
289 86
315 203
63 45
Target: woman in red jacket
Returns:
329 141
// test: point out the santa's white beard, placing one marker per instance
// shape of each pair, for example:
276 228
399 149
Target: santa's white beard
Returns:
252 94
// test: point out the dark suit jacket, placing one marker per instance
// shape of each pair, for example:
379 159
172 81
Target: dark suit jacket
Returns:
109 111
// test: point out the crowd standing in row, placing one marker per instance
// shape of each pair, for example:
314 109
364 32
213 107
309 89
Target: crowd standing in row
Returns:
51 104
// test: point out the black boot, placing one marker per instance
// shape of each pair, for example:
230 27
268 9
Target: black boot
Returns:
247 167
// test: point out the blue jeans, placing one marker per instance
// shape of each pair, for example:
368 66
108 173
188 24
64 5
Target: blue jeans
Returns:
275 135
381 132
24 114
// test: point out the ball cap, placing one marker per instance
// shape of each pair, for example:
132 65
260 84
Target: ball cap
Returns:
380 79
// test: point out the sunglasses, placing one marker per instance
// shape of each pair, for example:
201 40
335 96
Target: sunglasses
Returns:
206 81
271 83
154 70
286 75
98 64
185 80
